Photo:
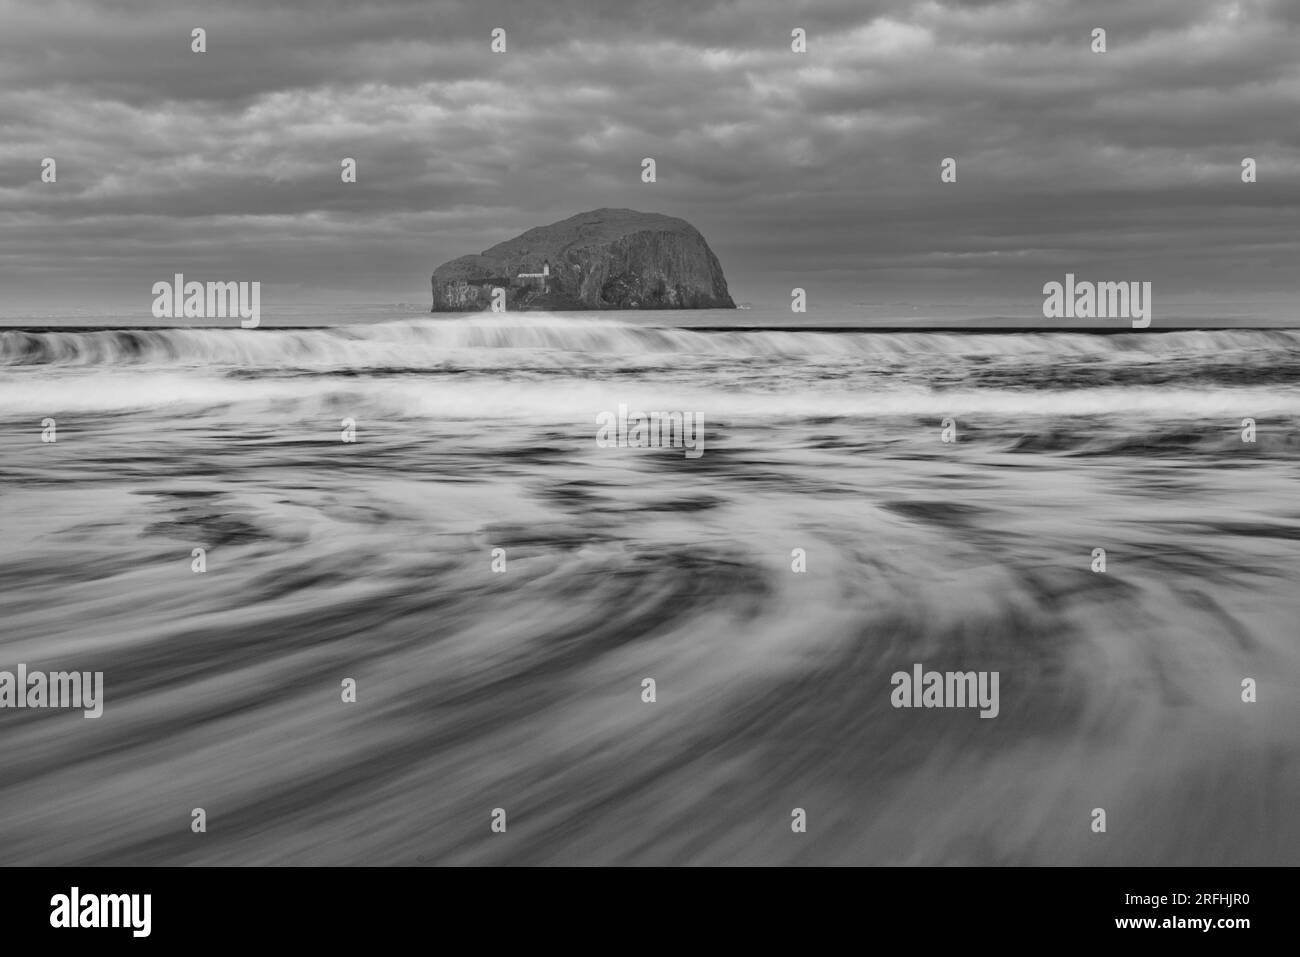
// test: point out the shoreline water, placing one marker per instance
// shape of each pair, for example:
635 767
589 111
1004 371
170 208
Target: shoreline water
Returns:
499 586
971 330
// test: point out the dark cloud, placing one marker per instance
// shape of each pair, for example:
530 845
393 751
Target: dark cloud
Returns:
818 170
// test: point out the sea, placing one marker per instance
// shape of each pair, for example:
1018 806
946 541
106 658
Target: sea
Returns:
369 588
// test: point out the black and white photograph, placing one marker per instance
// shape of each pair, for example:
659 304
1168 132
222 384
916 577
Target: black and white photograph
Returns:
661 433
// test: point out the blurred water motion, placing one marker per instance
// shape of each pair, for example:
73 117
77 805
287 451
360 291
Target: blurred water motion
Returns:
522 690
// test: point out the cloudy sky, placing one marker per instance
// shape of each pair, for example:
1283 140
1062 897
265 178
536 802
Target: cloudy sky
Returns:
818 170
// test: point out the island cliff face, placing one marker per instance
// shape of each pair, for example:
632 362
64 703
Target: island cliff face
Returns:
604 259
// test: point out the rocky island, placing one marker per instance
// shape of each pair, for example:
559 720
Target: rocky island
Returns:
603 259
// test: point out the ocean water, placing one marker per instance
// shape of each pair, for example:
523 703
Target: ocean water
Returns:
521 689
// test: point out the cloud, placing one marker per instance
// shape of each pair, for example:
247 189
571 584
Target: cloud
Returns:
820 168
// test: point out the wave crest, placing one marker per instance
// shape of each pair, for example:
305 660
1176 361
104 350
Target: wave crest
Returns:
429 343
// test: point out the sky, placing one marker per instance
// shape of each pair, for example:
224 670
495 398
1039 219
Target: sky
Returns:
818 169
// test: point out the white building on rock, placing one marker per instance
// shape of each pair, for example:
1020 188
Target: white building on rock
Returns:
544 275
